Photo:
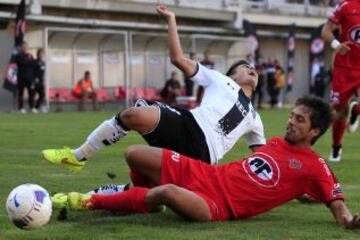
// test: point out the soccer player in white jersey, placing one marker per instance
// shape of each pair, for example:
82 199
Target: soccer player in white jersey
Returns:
205 133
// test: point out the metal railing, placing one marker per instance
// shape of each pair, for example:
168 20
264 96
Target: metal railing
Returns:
286 7
212 4
290 7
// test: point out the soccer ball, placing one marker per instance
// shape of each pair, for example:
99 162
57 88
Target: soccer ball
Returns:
29 206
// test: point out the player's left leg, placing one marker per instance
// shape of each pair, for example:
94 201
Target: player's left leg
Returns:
142 118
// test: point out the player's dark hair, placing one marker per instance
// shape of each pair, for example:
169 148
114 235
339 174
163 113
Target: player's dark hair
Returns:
321 114
87 73
233 67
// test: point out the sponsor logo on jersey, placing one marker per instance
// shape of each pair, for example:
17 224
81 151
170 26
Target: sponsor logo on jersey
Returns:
294 164
234 117
262 169
175 156
354 34
337 189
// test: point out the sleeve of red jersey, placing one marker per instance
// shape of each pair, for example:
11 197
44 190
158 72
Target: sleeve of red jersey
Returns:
323 185
336 16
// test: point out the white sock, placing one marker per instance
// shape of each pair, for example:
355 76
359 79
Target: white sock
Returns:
107 133
107 189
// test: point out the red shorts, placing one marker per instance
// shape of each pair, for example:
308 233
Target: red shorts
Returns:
198 177
344 86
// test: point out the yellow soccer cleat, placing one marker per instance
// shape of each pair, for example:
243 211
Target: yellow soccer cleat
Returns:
59 200
63 156
79 201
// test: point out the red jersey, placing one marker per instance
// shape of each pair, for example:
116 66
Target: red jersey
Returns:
347 15
276 174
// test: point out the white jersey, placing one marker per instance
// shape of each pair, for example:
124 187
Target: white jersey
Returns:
225 114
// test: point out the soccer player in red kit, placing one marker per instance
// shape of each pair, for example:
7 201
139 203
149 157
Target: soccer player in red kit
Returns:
283 169
346 73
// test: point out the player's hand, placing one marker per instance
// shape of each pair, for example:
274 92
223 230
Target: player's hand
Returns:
165 12
344 47
353 223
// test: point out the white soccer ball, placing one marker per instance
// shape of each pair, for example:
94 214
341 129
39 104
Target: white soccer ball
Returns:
29 206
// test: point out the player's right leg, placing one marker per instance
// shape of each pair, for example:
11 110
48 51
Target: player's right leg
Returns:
143 200
148 161
142 119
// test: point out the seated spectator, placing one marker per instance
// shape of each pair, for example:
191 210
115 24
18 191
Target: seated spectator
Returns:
84 90
171 89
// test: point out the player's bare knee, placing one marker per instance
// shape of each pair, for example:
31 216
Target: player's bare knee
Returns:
130 116
131 154
167 192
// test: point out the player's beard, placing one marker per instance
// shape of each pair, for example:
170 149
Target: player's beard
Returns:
290 135
293 138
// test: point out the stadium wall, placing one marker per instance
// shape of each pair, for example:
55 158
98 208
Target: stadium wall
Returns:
149 64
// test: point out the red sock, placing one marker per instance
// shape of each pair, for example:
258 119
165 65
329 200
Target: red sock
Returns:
140 180
356 109
128 201
338 130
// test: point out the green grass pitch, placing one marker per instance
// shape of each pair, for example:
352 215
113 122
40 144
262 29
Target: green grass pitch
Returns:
23 137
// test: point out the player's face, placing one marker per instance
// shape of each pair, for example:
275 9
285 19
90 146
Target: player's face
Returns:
246 75
298 129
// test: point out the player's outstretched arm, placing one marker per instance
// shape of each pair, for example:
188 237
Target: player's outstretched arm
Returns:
343 216
177 57
328 35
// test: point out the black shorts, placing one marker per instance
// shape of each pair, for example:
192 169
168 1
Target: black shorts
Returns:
178 130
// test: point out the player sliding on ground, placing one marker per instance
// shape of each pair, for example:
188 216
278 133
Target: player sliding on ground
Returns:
205 133
278 172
